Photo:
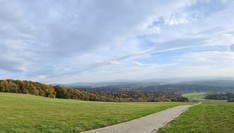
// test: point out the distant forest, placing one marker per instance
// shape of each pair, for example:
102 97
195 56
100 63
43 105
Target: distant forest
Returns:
163 88
137 95
39 89
221 96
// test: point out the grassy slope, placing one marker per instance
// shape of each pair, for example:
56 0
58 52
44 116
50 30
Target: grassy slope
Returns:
209 117
195 97
199 97
27 113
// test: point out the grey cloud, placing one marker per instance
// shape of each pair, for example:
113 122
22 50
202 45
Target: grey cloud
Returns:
49 34
73 26
197 40
11 65
168 46
85 25
191 41
206 7
232 47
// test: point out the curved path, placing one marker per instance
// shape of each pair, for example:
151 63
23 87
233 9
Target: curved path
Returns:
147 124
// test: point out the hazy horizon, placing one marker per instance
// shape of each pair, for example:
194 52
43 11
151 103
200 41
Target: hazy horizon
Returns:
57 41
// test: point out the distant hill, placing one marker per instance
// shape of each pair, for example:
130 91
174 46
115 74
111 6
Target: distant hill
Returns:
176 86
222 82
39 89
111 95
111 83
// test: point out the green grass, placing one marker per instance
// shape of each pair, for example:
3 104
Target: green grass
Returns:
27 113
195 97
211 116
200 97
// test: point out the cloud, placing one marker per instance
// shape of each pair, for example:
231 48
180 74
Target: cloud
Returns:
138 63
12 65
114 62
232 47
52 40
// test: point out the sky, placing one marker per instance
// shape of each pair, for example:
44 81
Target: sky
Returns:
65 41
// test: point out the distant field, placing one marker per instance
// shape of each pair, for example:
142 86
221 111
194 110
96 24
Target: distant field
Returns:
27 113
195 97
199 97
211 116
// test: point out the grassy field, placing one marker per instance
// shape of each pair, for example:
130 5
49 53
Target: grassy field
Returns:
195 97
210 116
199 97
27 113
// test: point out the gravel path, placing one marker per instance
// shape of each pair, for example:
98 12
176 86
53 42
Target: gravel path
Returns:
147 124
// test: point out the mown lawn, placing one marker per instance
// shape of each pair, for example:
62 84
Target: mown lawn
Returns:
210 116
28 113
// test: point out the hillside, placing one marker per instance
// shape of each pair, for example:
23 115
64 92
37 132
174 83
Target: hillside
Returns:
212 85
27 113
39 89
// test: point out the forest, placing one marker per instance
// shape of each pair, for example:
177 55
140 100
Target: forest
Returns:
39 89
221 96
177 88
138 95
110 95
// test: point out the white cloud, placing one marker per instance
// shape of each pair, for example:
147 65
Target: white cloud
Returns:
52 40
178 21
138 63
114 62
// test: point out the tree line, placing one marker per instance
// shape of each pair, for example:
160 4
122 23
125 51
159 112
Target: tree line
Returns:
136 95
39 89
221 96
107 94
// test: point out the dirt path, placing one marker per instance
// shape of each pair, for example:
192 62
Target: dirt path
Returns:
147 124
